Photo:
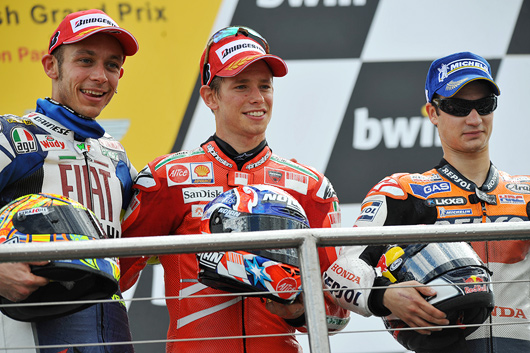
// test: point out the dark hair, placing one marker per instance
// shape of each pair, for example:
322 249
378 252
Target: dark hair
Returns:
58 53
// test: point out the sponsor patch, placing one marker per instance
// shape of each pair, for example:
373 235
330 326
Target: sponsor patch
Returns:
421 177
519 187
369 210
210 259
239 178
50 143
190 173
512 199
326 190
195 194
178 174
82 147
335 219
451 213
202 173
288 180
231 49
23 140
91 20
110 153
287 284
445 70
235 264
211 150
197 211
111 144
430 189
17 120
446 201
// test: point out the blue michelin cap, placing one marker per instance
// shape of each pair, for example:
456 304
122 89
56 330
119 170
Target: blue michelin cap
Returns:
448 74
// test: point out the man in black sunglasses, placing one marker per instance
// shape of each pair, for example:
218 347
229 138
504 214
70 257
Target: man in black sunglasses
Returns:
465 187
237 73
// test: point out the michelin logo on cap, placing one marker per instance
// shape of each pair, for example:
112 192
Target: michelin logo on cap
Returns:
447 69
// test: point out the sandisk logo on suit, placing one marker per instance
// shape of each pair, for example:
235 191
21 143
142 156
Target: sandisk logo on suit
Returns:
201 194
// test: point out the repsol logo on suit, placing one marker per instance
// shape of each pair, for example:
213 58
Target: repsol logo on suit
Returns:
338 291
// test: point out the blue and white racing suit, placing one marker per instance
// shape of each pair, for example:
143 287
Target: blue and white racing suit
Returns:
55 150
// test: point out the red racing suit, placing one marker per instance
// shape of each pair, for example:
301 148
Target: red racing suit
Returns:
444 196
171 192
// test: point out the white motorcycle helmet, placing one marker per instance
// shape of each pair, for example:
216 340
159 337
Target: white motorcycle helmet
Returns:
458 276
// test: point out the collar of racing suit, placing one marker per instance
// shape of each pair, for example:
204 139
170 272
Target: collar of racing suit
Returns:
239 158
82 127
459 180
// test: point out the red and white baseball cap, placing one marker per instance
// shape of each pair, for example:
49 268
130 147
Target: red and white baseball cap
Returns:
80 25
232 49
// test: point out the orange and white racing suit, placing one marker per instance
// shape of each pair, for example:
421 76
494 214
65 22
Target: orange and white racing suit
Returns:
444 196
171 192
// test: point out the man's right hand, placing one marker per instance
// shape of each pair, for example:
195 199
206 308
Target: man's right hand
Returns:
17 282
409 304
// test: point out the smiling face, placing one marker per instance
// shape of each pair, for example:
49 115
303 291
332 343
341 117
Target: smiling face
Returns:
242 106
88 74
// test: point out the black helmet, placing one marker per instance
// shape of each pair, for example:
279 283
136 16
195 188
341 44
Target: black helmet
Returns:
245 209
463 296
50 218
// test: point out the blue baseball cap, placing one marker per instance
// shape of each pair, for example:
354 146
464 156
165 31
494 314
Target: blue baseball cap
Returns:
448 74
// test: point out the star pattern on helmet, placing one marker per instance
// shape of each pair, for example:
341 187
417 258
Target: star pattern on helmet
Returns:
257 271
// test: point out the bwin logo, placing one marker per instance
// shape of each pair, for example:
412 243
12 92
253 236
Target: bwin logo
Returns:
395 132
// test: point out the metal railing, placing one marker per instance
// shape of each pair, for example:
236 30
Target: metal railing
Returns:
306 241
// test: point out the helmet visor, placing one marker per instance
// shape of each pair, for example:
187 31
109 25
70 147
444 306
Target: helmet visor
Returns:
223 221
424 262
58 220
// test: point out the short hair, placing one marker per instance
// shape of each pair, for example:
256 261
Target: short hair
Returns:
58 53
215 85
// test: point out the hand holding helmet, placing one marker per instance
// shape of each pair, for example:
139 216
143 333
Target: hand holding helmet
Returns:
17 280
458 275
274 273
50 218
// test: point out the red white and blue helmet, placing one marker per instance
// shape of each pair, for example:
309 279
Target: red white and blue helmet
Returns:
50 218
246 209
253 208
460 279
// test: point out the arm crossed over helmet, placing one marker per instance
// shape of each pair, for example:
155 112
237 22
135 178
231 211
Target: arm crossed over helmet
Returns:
350 280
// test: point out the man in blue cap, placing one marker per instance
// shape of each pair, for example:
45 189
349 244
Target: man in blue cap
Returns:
465 187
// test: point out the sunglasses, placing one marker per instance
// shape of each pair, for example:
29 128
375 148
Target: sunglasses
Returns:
227 32
462 107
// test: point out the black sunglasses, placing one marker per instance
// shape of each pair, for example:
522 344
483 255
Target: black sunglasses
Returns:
227 32
462 107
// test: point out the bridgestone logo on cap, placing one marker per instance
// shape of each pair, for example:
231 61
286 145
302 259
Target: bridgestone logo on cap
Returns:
91 20
231 49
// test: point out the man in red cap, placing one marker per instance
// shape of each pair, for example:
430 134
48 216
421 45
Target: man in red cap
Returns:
237 73
61 149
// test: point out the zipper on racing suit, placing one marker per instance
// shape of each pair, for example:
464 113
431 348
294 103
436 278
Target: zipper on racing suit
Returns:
486 260
89 180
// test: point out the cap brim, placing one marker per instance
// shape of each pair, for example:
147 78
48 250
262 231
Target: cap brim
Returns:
277 65
448 90
126 39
